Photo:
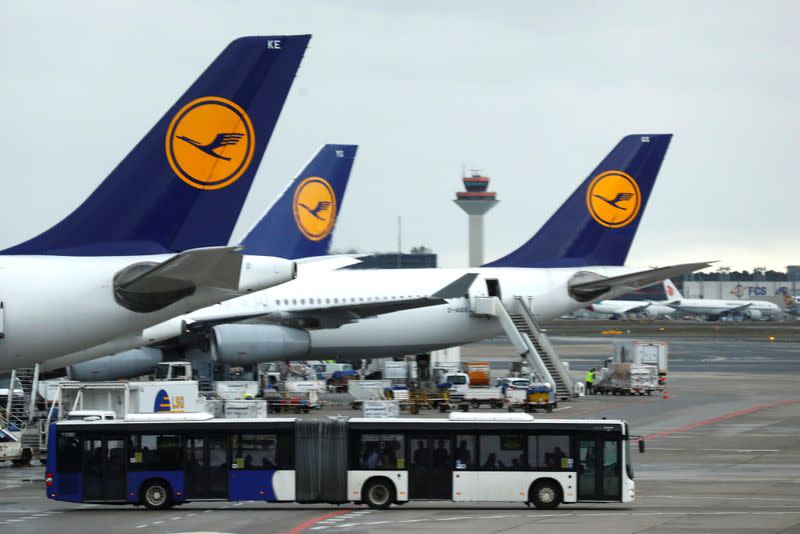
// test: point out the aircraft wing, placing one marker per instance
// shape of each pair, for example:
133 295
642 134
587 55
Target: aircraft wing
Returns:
592 286
335 315
733 311
319 264
638 309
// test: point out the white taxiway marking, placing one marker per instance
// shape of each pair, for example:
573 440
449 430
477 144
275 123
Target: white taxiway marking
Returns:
542 516
741 450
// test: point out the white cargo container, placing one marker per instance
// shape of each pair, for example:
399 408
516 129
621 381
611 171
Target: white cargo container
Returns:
642 352
245 409
446 358
380 408
235 389
628 379
304 386
363 390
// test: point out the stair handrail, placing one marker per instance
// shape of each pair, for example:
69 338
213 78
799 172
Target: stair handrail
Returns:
34 392
7 419
544 342
537 362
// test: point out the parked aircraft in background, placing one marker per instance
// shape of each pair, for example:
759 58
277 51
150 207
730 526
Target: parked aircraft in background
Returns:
792 304
619 308
716 309
282 231
576 258
148 244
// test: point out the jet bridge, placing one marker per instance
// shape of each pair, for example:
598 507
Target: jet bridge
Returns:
530 340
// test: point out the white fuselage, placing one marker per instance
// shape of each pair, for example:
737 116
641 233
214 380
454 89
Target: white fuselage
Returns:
54 305
397 333
621 307
716 307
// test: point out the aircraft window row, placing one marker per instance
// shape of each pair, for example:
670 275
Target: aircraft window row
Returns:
335 300
302 301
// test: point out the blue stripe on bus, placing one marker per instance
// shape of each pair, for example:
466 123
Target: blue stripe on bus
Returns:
247 485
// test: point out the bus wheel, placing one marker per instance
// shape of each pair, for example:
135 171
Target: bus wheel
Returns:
476 404
546 495
155 495
379 494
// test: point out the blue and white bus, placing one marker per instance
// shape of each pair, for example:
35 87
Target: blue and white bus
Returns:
378 462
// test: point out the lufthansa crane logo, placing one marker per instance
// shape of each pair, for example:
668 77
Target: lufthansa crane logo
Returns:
613 199
210 142
314 208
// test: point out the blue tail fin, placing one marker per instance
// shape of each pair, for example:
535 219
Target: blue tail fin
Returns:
184 184
300 223
597 223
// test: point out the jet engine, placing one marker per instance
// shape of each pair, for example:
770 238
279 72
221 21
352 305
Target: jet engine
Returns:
128 364
755 315
241 344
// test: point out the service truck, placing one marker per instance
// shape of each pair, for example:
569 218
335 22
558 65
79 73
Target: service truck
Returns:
627 379
642 352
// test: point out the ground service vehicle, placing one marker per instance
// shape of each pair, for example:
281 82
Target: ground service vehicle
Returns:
468 457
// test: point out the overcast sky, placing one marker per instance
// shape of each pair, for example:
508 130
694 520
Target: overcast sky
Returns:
533 93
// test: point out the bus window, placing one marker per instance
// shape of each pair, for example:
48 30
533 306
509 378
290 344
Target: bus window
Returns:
549 452
611 471
502 452
465 454
155 453
68 459
252 451
381 451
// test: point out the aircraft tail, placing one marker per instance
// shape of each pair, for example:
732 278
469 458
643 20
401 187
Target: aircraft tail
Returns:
301 221
671 291
597 223
183 185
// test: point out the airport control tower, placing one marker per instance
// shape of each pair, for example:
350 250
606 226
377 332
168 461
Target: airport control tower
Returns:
476 201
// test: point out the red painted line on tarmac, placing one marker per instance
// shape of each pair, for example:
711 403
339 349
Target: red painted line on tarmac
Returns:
756 408
311 522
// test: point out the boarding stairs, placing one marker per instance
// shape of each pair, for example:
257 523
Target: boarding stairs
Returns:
23 407
530 340
18 413
527 323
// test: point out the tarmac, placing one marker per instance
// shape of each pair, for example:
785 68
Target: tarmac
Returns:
723 455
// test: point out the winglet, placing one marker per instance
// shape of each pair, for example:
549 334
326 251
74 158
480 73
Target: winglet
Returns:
457 288
587 286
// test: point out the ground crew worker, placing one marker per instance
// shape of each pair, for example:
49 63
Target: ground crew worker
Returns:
589 379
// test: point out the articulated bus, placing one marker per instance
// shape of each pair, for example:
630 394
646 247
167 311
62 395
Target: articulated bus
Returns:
378 462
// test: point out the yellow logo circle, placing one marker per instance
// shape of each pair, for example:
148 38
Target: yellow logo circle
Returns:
314 208
613 199
210 142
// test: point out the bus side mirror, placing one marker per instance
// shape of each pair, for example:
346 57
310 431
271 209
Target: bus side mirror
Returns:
641 446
